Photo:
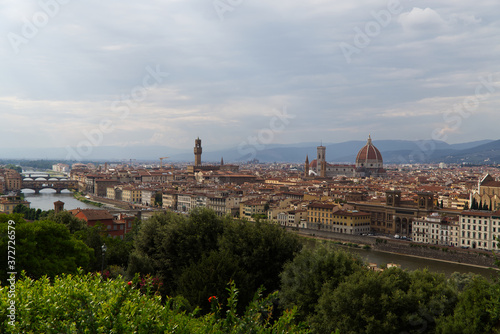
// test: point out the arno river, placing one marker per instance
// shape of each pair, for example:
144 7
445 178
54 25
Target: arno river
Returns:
45 201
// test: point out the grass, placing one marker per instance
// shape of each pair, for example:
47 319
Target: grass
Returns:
79 196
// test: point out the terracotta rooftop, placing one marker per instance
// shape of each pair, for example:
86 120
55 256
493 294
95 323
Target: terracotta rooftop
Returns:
93 214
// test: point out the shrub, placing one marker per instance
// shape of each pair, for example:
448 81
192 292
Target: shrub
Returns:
87 303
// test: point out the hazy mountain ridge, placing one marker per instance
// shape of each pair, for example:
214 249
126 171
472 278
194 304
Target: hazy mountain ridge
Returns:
393 151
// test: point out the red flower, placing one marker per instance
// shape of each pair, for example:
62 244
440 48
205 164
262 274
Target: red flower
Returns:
210 299
129 283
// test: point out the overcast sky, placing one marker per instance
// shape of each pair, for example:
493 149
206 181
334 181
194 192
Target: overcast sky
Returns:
76 71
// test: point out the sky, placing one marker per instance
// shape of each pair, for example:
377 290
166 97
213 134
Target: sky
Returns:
243 73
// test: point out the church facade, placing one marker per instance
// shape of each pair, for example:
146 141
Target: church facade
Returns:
488 192
369 162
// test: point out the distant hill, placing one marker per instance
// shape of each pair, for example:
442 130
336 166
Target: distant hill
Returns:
393 151
119 153
485 153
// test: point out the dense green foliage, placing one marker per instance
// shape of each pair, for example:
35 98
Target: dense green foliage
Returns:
392 301
42 248
18 169
203 252
302 279
185 264
85 303
30 213
477 310
158 200
65 218
37 164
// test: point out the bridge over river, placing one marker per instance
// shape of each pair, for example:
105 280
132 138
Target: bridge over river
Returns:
39 182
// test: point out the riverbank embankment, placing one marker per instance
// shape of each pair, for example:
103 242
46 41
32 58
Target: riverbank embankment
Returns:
408 248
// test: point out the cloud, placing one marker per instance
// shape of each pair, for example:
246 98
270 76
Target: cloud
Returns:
422 20
227 77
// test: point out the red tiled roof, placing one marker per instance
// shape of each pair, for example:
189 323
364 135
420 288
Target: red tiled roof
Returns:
368 152
491 184
93 214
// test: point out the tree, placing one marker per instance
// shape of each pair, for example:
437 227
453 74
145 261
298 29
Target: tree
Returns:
85 303
67 219
18 169
93 236
167 243
184 252
30 213
118 251
44 248
158 199
303 278
477 310
474 204
393 301
262 249
209 277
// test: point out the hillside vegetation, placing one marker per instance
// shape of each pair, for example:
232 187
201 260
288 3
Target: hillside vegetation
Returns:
206 274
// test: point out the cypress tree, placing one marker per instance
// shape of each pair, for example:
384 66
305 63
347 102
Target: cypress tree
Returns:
474 204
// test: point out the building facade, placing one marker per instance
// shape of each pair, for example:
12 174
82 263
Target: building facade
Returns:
480 229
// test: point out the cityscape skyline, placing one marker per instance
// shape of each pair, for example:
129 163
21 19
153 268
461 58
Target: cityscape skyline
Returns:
128 74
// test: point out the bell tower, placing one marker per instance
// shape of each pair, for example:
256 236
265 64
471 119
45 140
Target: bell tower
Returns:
197 152
306 167
426 200
321 152
393 197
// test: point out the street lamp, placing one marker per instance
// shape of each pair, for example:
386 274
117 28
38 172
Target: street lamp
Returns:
104 249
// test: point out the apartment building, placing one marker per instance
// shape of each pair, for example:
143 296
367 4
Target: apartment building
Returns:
436 229
480 229
131 194
170 200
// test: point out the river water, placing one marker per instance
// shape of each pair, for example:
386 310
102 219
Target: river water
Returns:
413 263
46 198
